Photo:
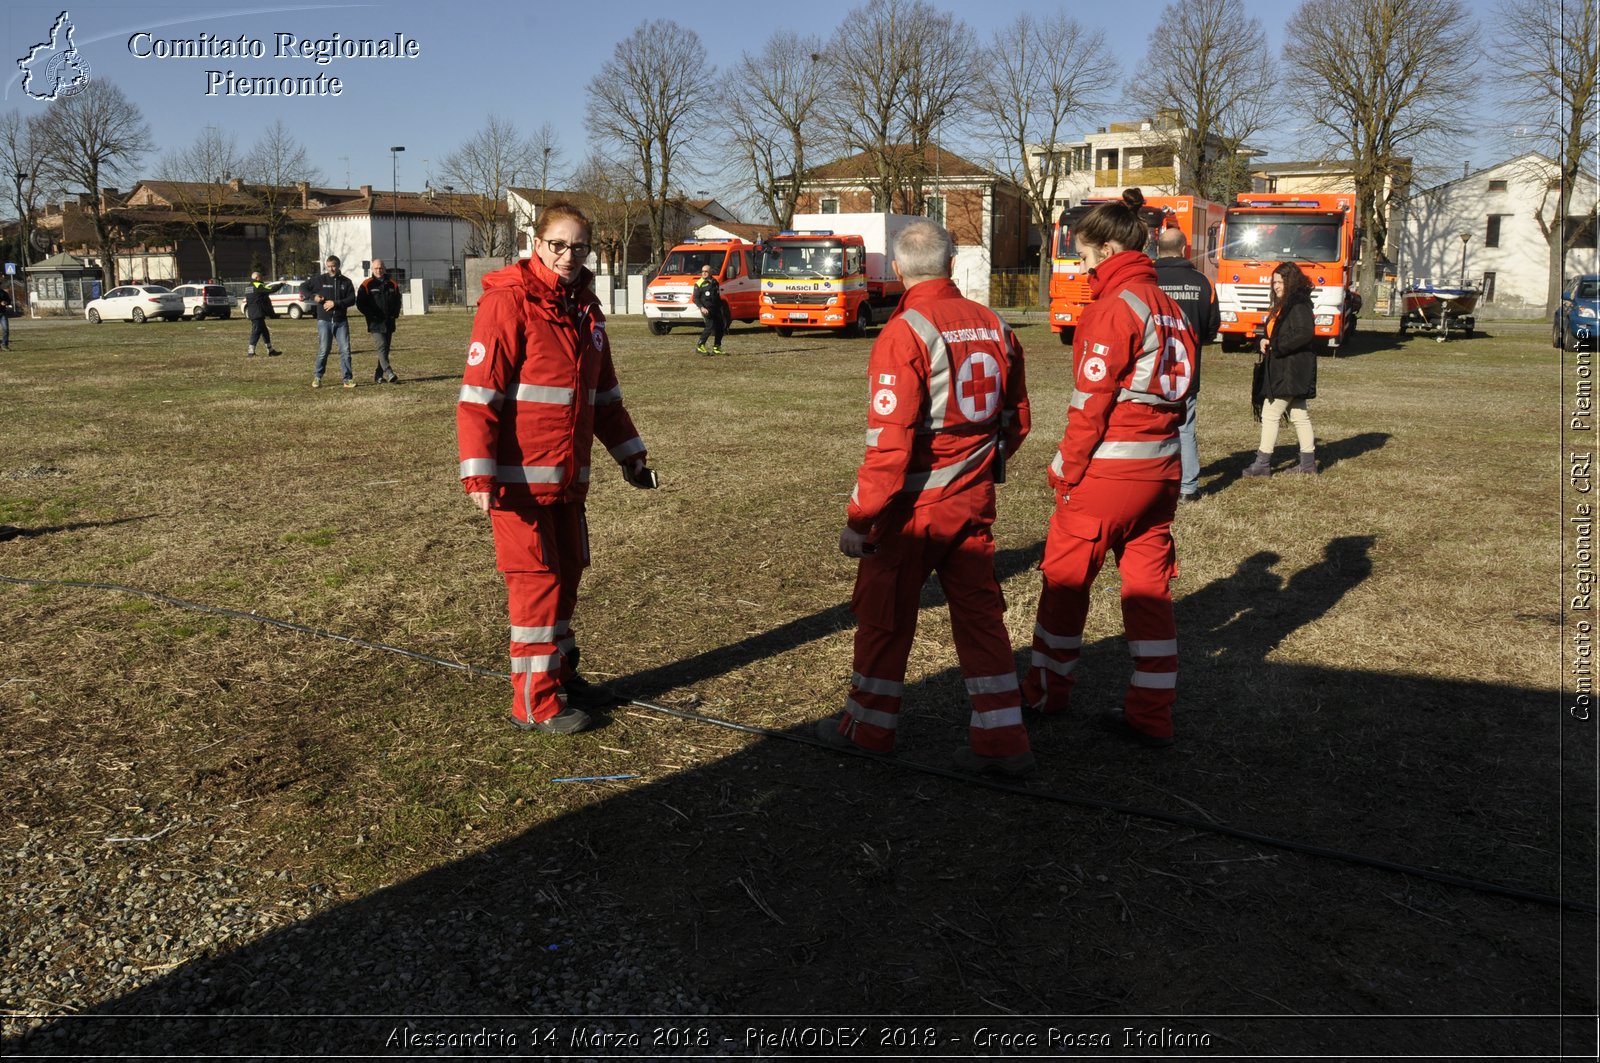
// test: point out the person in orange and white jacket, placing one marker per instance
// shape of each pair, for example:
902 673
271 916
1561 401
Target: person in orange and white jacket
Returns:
538 388
1116 476
948 402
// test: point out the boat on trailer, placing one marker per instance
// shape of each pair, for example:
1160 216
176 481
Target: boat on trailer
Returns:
1439 309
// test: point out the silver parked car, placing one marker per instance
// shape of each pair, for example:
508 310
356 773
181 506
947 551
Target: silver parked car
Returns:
205 300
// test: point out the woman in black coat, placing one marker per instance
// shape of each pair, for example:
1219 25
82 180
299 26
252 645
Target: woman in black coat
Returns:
1287 369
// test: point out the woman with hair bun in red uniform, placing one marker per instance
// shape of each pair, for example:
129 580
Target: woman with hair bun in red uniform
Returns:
1116 475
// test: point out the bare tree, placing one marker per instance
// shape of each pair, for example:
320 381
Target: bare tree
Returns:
1038 73
1381 81
87 140
275 166
545 147
614 200
207 200
1548 48
1209 70
494 159
897 70
21 163
772 114
648 105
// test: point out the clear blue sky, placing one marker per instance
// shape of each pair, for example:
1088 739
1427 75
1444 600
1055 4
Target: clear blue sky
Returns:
529 61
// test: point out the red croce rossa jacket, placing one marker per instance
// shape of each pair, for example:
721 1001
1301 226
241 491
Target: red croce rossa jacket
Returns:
946 388
1134 357
539 387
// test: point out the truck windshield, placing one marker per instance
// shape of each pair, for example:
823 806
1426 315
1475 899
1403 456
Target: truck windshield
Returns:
1296 237
808 260
679 263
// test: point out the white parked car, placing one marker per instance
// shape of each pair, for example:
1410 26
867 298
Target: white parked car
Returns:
135 302
205 300
286 301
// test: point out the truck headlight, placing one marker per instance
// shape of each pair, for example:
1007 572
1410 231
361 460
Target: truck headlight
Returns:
1229 315
1324 320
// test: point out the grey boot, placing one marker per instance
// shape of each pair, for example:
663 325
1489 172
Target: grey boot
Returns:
1262 466
250 351
1308 463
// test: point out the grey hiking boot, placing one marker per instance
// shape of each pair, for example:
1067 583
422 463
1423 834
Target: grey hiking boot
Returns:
568 721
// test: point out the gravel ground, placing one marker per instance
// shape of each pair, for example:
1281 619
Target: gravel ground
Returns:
182 925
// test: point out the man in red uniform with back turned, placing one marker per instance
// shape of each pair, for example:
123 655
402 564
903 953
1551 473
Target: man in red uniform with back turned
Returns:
949 401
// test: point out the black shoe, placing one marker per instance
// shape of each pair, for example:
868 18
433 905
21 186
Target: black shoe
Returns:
828 734
1013 767
1116 721
273 352
566 722
391 379
580 692
1185 497
377 376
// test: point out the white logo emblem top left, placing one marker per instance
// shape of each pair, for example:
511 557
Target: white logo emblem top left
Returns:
476 353
54 69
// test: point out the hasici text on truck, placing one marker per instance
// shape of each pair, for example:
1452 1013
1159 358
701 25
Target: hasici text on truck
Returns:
669 298
1199 219
831 271
1315 231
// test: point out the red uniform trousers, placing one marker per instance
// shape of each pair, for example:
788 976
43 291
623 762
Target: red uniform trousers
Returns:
1134 519
951 538
542 551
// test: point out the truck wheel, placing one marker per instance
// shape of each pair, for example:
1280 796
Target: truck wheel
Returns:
1066 336
659 328
863 320
784 331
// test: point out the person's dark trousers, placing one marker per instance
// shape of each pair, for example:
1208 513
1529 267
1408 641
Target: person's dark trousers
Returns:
716 326
380 342
258 332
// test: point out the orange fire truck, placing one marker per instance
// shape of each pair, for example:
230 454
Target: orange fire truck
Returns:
669 299
1315 231
1199 219
831 271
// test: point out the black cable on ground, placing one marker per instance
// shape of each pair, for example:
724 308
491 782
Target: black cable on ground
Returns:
1459 881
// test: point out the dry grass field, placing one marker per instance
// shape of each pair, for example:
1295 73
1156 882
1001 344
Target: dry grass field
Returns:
211 816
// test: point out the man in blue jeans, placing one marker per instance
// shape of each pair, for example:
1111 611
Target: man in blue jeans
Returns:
333 295
1190 289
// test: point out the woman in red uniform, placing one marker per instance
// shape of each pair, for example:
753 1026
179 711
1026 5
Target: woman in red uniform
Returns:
1116 476
539 387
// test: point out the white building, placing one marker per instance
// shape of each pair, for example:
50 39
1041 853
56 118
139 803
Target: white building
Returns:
418 235
1485 227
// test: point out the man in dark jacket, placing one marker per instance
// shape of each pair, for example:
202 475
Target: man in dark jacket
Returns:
334 295
379 302
258 308
1188 288
708 298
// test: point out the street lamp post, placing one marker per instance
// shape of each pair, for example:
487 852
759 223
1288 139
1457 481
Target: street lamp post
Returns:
450 190
394 193
22 232
1465 237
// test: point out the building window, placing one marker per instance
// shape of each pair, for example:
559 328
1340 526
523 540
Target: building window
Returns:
934 208
830 205
1488 287
1497 186
1491 234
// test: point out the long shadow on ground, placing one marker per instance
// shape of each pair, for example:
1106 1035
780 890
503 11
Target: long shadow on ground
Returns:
789 880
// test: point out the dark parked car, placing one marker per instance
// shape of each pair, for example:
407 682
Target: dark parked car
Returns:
205 300
1578 318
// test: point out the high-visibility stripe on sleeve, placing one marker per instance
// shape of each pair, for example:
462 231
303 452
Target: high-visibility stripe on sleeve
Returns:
609 396
626 450
1057 642
872 436
529 474
870 685
1079 399
1155 680
477 467
1153 647
549 396
482 396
